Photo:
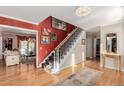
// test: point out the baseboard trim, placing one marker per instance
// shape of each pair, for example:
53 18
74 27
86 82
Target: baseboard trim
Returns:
113 68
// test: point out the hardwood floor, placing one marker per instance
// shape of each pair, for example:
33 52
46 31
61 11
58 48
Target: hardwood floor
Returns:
109 76
28 75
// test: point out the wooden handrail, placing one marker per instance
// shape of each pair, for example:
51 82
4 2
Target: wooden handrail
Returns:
69 35
47 56
61 44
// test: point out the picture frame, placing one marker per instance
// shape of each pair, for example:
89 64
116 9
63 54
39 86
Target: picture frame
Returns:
53 37
45 31
45 39
58 24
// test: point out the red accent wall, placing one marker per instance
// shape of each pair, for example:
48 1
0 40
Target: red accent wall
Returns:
44 50
16 23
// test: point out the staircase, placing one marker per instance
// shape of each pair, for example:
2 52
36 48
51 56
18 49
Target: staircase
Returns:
55 59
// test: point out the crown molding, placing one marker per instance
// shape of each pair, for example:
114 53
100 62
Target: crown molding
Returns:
13 27
18 19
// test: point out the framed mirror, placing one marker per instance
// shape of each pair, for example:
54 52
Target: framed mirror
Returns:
111 42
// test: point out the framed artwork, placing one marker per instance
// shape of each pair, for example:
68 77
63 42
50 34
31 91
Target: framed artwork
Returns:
53 37
45 40
45 31
58 24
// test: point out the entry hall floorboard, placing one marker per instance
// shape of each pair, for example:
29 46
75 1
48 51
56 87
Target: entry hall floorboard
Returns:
28 75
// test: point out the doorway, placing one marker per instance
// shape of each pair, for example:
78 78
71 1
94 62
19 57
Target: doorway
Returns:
93 46
97 48
13 43
27 48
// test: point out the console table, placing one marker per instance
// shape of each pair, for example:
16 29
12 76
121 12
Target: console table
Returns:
116 56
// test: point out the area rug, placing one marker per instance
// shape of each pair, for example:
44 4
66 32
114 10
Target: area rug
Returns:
85 77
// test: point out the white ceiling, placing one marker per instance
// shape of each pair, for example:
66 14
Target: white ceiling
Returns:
100 15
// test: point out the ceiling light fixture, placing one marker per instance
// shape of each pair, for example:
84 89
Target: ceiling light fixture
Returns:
83 11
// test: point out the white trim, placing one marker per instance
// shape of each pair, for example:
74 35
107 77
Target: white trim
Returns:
36 33
114 68
37 64
110 67
1 49
18 19
14 27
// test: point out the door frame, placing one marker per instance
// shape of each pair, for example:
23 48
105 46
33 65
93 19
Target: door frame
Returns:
94 49
24 29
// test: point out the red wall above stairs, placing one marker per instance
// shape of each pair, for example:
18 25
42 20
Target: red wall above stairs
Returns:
43 50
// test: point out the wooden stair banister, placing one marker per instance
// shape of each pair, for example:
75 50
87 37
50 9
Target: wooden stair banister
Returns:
60 44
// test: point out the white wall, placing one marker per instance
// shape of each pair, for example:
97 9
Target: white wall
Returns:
0 45
76 55
114 28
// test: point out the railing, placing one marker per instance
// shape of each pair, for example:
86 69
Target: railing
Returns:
66 46
52 62
69 35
